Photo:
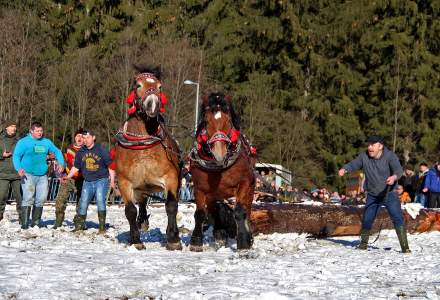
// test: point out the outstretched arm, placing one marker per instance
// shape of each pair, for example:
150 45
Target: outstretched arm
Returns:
353 165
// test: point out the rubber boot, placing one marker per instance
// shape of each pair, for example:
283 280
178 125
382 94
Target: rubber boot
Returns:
20 215
59 218
36 216
403 240
18 208
79 221
101 218
365 235
25 213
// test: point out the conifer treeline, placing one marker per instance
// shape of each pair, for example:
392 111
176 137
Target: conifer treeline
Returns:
311 79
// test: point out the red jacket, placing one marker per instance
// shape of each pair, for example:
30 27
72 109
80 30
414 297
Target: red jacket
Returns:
69 157
112 166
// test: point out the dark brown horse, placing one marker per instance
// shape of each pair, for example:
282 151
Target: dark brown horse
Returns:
147 158
222 167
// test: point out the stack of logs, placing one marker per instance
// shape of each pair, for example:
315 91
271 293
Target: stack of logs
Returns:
331 220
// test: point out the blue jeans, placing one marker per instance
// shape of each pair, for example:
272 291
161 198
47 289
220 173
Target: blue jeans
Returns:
35 189
185 194
392 204
97 188
422 199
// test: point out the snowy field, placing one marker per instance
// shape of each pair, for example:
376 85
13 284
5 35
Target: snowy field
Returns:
42 263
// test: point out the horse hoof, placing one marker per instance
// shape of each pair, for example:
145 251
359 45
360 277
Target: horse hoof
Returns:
174 246
195 248
139 246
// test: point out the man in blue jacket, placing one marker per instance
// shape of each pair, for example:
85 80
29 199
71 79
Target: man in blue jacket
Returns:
29 159
382 170
432 185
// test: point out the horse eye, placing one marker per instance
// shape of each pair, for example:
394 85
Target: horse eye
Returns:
138 86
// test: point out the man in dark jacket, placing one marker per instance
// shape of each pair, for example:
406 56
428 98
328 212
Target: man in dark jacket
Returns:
382 171
8 175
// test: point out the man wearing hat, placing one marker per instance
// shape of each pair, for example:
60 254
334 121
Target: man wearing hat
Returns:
382 170
8 175
94 163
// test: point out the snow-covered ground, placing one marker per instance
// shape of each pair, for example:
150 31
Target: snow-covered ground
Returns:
42 263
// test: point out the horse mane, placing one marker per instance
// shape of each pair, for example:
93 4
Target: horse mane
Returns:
145 68
215 99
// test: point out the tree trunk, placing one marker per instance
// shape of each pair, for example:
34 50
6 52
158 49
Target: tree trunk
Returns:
330 220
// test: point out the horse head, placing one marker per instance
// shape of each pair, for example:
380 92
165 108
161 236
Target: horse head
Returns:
219 128
147 90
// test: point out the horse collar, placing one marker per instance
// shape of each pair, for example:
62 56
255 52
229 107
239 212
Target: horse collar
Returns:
137 141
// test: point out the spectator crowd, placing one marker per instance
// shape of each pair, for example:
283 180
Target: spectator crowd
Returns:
415 186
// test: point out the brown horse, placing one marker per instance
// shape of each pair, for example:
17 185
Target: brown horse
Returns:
147 158
222 167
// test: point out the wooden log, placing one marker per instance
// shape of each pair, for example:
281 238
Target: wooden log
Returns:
331 220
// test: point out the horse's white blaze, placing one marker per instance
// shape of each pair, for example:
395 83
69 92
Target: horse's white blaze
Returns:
218 115
153 105
150 80
153 99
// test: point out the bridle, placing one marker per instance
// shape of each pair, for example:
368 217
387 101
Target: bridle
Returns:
136 102
204 141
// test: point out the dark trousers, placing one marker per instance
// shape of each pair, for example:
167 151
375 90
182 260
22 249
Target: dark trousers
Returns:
4 189
434 200
392 205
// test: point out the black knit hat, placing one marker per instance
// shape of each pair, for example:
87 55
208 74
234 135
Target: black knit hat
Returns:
8 123
88 131
78 131
373 139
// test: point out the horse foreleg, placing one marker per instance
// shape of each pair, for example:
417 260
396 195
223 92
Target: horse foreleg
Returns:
224 224
171 207
199 218
244 235
131 214
142 218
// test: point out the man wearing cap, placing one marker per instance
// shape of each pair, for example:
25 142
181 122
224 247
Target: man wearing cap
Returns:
8 175
93 161
72 186
29 159
382 170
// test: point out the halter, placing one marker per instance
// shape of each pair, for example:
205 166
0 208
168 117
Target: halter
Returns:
202 154
135 103
235 141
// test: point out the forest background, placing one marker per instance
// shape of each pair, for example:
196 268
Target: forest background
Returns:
310 78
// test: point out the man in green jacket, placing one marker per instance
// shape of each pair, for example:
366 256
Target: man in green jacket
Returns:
8 175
